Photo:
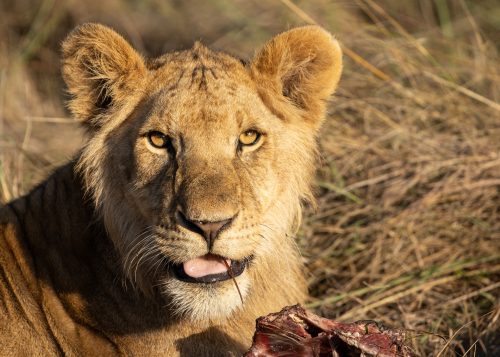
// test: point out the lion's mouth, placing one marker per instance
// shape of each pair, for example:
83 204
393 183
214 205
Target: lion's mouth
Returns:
209 268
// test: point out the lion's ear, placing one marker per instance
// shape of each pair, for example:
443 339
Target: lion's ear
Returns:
298 70
101 70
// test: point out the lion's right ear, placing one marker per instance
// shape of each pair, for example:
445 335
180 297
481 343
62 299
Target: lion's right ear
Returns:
297 71
101 70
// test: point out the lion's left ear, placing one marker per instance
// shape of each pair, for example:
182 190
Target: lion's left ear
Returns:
297 71
102 72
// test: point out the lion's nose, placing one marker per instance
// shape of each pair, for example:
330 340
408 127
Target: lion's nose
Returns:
211 229
208 229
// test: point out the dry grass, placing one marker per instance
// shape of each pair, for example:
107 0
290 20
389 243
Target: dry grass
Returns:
408 226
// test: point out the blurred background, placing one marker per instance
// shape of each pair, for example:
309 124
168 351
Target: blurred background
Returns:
407 229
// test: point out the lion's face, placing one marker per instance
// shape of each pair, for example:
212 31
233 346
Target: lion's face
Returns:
207 168
198 162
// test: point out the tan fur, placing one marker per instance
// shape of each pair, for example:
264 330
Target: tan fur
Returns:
85 256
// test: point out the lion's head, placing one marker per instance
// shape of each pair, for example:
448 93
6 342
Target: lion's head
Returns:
198 162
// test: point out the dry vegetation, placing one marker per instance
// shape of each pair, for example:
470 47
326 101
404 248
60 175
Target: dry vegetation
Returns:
408 225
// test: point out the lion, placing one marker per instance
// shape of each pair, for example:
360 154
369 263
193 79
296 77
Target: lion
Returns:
172 229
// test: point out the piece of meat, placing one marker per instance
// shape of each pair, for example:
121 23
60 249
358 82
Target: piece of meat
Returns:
296 332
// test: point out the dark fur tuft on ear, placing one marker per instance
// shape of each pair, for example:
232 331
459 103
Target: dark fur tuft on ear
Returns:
101 70
297 71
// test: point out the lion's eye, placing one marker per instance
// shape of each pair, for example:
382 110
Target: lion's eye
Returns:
249 137
158 139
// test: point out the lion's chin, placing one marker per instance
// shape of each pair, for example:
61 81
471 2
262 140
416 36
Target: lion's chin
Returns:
206 302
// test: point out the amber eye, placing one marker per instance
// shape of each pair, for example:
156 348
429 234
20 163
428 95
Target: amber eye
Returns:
158 139
249 137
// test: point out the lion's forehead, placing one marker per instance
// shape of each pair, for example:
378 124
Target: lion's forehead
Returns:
200 70
205 93
212 114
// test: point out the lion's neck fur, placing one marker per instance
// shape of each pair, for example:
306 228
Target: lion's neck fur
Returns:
70 295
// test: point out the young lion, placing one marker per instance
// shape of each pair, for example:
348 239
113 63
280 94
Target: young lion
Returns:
193 174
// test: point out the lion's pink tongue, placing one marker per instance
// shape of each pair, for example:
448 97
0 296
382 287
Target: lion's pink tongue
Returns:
207 264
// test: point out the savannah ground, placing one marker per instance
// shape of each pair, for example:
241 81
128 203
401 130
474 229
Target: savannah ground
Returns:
407 227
